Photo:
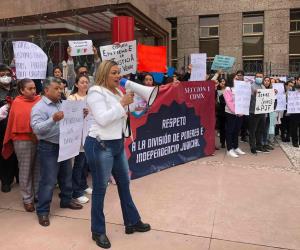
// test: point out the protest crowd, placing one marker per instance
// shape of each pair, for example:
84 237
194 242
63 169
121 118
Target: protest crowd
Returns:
30 114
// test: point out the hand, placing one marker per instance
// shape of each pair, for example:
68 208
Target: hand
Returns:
85 112
127 99
58 116
190 68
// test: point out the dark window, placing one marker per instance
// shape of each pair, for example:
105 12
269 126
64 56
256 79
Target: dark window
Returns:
257 28
295 65
209 46
295 44
174 48
214 31
253 45
293 26
253 66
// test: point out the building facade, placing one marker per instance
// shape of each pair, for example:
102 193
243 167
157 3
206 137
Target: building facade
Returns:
263 35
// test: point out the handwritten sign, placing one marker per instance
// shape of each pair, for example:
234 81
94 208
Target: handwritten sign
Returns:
81 47
242 97
265 99
198 62
280 96
223 63
30 60
70 129
293 105
124 54
249 79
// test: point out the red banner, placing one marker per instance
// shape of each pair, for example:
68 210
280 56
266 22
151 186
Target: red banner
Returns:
179 127
152 58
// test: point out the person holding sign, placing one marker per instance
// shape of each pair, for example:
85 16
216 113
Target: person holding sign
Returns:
20 139
79 182
81 69
256 121
105 153
295 120
233 121
45 117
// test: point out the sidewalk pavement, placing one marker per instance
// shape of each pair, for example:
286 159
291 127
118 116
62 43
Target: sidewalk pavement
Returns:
217 203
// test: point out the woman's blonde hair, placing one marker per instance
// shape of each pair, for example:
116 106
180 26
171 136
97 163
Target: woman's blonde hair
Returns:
103 72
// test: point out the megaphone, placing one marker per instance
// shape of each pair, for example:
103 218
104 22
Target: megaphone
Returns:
149 94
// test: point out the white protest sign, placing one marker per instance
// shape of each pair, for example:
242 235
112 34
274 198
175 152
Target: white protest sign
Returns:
242 97
280 96
293 105
30 60
265 99
87 123
249 79
124 54
198 62
283 78
81 47
70 129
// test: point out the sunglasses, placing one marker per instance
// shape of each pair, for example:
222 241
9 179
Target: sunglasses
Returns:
5 74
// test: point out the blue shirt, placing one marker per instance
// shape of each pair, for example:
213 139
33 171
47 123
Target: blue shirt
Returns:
42 123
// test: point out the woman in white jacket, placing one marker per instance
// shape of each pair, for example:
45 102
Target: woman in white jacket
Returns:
104 150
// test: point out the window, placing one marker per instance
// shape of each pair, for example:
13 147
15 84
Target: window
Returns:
253 42
209 36
294 42
174 54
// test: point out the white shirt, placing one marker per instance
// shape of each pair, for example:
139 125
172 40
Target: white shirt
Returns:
108 113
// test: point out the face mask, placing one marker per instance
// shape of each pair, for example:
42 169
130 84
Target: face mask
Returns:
5 80
258 80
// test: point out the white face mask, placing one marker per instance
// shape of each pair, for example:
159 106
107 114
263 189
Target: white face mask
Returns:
5 80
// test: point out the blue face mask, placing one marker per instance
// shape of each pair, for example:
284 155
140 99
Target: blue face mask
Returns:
258 80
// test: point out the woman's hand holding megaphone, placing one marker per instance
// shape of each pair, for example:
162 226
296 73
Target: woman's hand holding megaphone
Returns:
127 99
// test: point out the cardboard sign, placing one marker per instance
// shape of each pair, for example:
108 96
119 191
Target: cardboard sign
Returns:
223 63
81 47
30 60
242 97
152 58
265 99
198 62
293 105
124 54
70 129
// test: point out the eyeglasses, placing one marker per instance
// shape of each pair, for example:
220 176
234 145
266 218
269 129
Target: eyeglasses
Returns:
5 74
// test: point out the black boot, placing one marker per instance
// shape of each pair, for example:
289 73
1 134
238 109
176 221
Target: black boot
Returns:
138 227
101 240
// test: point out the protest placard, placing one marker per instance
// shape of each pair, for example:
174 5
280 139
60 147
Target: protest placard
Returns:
249 79
124 54
242 97
87 123
152 58
70 129
265 99
280 96
223 63
81 47
30 60
293 105
198 62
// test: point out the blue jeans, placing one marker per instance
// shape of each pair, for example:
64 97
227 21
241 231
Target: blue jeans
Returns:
79 176
106 158
50 172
